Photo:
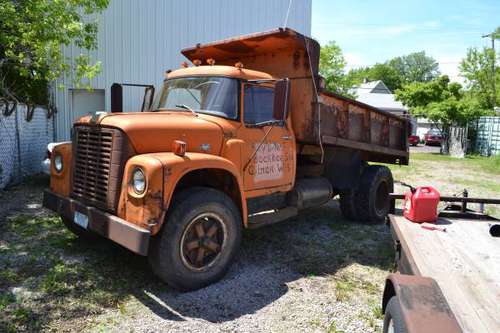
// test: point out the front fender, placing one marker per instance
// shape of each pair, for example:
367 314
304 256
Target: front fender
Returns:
168 169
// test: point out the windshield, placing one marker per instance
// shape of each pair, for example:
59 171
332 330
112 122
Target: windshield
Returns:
212 95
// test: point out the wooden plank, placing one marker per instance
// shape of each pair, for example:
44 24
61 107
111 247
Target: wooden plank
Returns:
465 262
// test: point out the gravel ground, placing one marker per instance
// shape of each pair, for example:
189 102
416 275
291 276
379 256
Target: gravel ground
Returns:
314 273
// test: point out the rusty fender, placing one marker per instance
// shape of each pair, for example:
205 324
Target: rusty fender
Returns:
423 304
163 172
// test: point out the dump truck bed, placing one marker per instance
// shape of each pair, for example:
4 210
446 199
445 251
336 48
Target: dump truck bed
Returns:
318 116
464 261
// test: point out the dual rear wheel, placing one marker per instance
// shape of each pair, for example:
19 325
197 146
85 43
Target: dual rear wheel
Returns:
369 202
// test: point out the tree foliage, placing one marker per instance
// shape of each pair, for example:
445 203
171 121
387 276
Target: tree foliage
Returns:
399 71
32 33
441 101
332 67
389 75
477 69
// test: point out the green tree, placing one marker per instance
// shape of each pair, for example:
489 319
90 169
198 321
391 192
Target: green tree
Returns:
389 75
332 67
399 71
32 33
476 68
443 102
415 67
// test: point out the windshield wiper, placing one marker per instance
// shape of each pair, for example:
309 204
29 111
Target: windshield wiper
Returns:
184 106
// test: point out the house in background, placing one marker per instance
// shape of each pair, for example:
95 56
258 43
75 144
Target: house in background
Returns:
376 93
139 40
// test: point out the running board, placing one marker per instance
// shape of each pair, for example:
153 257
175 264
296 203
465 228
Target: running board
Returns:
271 217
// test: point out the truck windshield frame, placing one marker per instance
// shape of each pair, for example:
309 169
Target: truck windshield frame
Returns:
212 95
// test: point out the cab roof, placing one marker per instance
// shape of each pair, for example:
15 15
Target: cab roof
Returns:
219 70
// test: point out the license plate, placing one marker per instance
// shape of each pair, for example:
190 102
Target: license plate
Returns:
82 220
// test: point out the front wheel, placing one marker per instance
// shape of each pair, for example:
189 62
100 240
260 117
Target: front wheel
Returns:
198 241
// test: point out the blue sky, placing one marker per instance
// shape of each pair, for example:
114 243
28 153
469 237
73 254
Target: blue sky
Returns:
372 31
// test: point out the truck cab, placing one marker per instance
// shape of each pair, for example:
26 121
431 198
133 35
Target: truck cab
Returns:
221 148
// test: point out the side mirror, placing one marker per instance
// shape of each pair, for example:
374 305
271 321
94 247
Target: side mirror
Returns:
116 97
147 101
281 97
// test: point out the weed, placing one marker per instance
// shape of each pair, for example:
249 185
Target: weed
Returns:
8 277
377 311
344 289
6 298
333 328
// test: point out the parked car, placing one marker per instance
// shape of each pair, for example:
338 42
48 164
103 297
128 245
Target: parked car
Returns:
433 137
413 140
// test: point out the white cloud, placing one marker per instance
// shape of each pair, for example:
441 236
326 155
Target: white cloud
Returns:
353 60
449 65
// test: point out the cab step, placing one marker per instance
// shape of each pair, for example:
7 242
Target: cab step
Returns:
266 218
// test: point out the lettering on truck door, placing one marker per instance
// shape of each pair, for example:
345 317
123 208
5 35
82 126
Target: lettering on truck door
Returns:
268 154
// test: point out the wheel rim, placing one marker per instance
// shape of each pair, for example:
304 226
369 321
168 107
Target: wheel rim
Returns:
382 197
203 241
390 326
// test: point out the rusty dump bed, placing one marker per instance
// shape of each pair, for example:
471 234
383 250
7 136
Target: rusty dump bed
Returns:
464 261
317 116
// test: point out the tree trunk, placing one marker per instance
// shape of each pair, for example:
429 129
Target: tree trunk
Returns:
457 141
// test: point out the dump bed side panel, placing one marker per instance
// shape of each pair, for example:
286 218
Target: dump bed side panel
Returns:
347 123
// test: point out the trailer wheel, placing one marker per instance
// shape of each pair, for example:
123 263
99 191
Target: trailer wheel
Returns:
372 197
348 204
198 241
393 319
81 233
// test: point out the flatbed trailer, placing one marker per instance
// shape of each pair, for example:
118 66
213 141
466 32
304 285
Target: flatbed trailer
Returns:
448 277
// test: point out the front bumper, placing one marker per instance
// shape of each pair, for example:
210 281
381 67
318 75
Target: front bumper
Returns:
109 226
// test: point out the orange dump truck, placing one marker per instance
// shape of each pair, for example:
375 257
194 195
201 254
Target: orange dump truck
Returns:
244 137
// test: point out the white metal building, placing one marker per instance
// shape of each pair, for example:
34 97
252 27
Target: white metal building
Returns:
139 40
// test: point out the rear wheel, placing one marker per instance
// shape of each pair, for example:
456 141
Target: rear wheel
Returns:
393 319
372 197
83 234
198 241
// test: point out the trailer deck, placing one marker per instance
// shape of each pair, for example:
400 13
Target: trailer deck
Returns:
464 260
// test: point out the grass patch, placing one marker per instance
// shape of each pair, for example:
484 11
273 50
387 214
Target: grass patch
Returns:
344 289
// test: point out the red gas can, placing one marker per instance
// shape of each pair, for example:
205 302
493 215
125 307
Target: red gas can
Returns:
421 204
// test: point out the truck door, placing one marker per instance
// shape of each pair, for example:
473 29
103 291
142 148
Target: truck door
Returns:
268 155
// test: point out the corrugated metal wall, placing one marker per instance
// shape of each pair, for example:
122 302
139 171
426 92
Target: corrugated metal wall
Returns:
488 136
140 39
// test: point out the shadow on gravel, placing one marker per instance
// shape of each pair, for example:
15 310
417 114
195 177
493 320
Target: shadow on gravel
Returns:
317 242
49 280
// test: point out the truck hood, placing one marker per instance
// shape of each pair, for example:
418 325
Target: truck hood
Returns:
151 132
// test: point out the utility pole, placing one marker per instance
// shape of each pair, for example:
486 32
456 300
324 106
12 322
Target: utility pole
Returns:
493 36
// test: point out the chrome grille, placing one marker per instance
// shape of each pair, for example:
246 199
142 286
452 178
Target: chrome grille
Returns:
93 165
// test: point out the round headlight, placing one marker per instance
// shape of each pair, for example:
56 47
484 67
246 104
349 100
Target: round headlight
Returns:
138 181
58 163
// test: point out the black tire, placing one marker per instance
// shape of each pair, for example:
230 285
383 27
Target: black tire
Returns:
394 317
372 197
347 202
169 254
81 233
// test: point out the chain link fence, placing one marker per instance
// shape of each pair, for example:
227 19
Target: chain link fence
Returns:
24 135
